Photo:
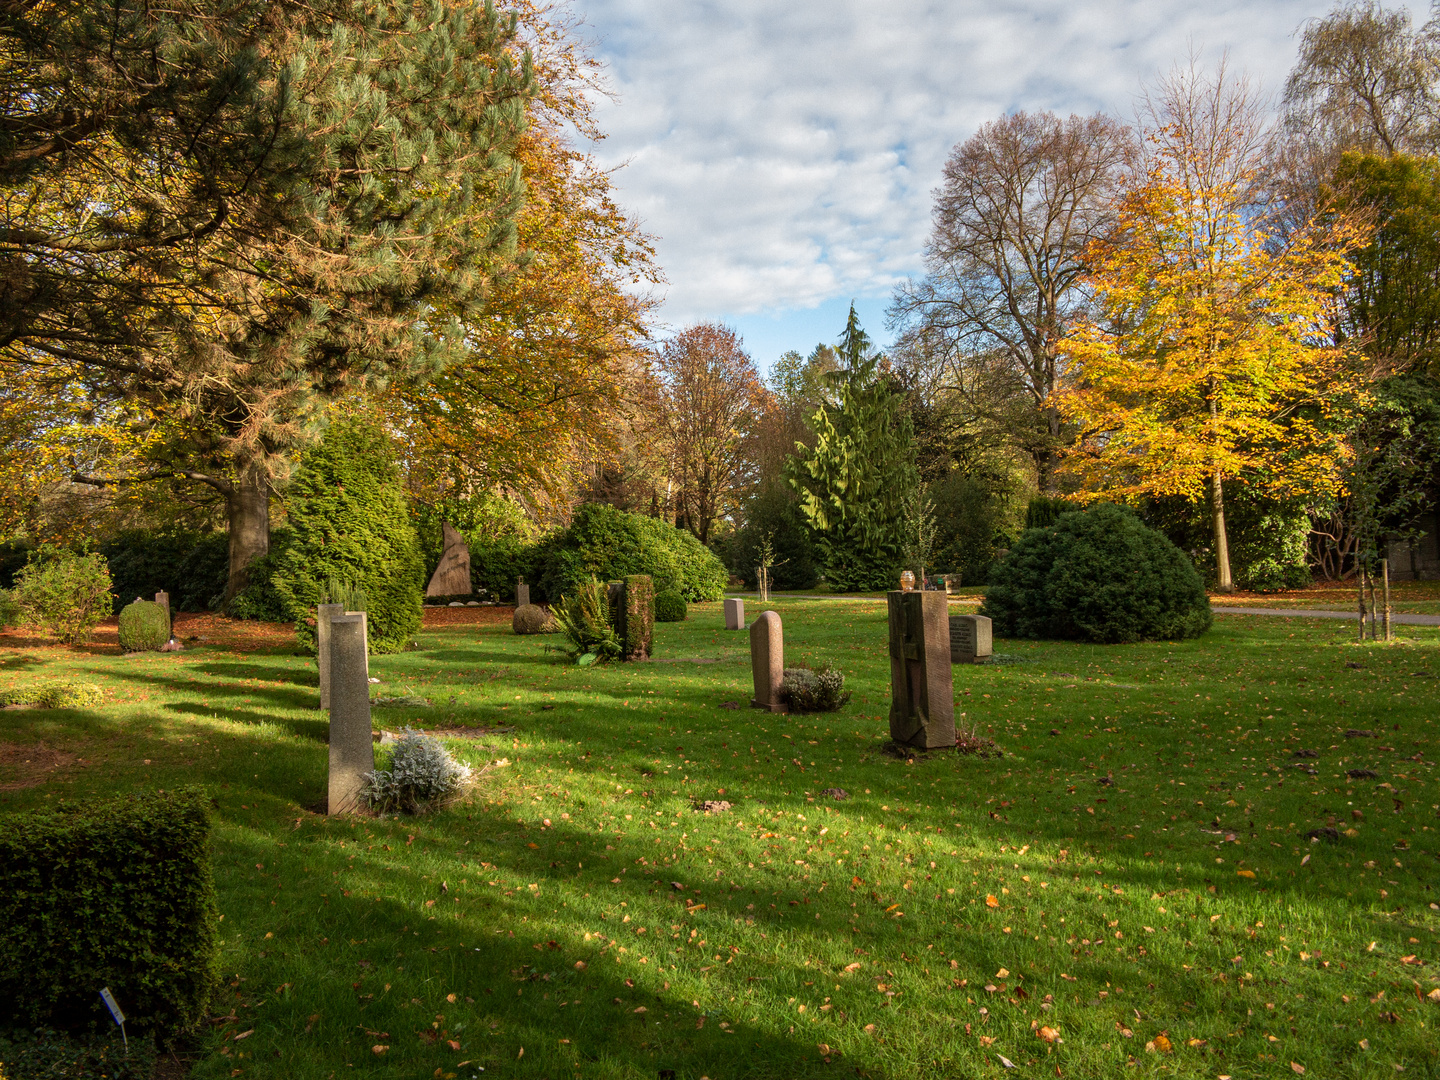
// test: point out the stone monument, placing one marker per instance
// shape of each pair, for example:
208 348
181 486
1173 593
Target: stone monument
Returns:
452 576
352 747
163 599
323 614
922 696
767 661
969 639
735 614
522 593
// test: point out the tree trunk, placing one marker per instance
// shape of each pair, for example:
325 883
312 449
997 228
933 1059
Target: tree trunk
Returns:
247 509
1224 583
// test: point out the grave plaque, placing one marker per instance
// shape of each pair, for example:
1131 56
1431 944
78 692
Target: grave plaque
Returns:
352 747
969 639
767 661
922 696
734 614
323 615
522 593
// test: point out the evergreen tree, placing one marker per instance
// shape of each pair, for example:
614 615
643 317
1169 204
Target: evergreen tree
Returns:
352 526
856 481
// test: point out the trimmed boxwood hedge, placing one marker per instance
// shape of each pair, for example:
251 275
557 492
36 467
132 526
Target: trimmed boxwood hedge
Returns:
144 626
116 893
670 607
1098 575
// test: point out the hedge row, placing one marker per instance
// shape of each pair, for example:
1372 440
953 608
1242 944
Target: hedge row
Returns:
114 893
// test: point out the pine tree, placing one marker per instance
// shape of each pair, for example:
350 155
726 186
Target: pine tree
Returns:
855 483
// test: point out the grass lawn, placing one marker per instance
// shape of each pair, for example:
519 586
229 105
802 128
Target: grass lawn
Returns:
1131 880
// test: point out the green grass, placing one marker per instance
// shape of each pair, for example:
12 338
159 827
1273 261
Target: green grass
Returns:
540 915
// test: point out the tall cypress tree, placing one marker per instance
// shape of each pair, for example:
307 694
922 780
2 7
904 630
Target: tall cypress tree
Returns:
855 483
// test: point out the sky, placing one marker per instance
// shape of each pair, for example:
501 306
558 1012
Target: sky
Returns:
783 153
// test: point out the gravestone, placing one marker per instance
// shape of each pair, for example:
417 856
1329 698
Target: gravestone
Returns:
163 599
922 695
323 614
452 576
522 593
734 614
970 639
767 661
352 746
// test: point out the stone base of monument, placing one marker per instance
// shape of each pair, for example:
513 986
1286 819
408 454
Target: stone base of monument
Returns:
734 614
922 695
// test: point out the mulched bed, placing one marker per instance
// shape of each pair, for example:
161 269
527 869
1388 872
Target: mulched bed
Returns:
234 635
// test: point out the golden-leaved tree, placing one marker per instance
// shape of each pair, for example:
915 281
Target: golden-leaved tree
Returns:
553 363
1210 355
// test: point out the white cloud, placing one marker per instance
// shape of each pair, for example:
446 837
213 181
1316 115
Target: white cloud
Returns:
784 152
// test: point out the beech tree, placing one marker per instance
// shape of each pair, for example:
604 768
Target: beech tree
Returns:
1020 201
1212 355
706 400
303 201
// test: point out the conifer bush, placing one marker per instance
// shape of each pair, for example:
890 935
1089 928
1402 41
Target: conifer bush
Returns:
670 607
144 626
1097 575
350 522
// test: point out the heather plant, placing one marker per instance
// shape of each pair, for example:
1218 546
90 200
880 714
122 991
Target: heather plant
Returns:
807 690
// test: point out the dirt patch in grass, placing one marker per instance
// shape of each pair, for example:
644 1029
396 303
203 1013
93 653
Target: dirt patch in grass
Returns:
467 616
30 766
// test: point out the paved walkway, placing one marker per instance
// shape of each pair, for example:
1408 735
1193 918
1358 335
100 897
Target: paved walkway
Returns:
1304 613
1398 618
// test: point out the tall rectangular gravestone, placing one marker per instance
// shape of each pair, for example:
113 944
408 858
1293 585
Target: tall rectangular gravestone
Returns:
734 614
352 747
522 594
323 614
767 661
970 639
922 695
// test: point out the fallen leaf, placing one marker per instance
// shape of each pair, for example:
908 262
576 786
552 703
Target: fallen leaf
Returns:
1434 995
1192 1043
851 967
378 1049
580 965
450 998
642 1009
1049 1034
1002 974
986 1040
869 1029
990 901
1005 1061
453 1044
1364 1044
1295 1066
1245 873
244 1034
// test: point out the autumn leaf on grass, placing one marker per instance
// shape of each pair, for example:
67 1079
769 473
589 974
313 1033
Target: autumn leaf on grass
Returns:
991 901
1159 1044
851 967
1049 1034
986 1040
378 1049
1295 1066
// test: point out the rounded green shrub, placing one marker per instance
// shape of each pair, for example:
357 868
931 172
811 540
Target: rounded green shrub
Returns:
806 690
531 619
351 523
670 607
144 626
1098 575
55 694
609 544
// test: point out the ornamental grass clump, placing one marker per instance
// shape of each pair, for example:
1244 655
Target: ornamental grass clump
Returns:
422 775
804 689
584 618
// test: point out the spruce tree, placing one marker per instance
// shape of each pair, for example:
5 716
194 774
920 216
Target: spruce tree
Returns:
352 527
855 483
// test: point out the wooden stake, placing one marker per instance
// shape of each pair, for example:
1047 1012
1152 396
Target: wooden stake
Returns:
1385 578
